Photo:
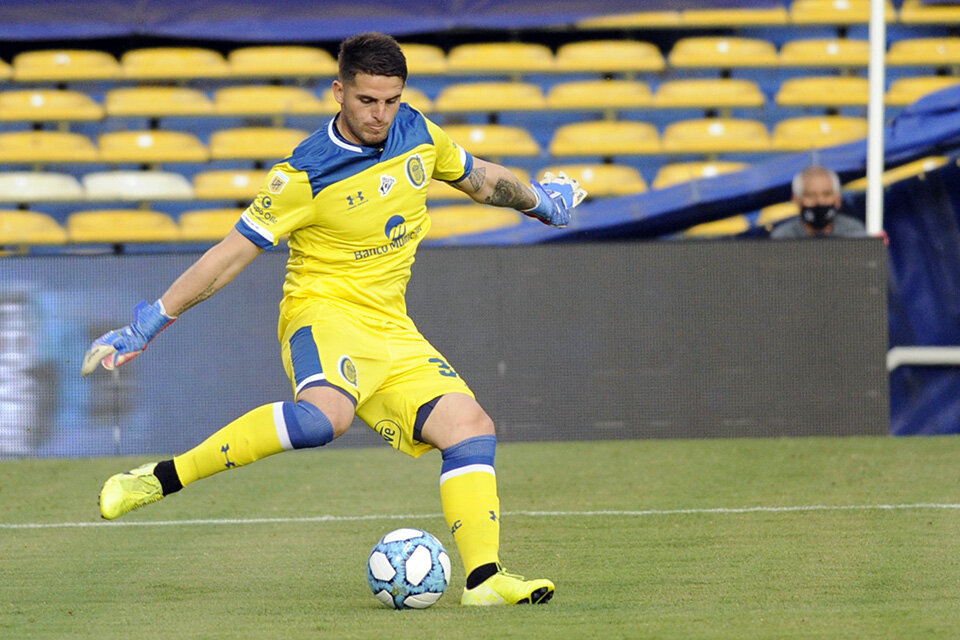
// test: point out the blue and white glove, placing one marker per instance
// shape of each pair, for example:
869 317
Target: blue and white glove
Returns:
120 346
556 195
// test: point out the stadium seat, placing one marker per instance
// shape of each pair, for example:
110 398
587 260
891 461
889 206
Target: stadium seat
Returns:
266 100
281 61
815 132
460 219
776 213
38 186
925 52
255 143
411 95
602 180
605 138
493 140
424 59
490 96
917 12
680 172
499 57
824 91
228 184
41 147
825 52
732 226
64 65
908 90
440 191
710 52
136 186
635 20
25 228
207 225
151 147
6 71
117 226
609 56
48 105
716 135
736 17
173 63
708 93
599 94
835 12
904 171
157 102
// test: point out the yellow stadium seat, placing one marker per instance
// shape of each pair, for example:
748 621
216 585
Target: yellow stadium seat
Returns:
599 94
904 91
48 105
605 138
493 140
24 228
458 219
136 186
824 91
916 12
40 147
825 52
732 226
173 63
490 96
228 184
118 226
207 225
712 52
609 56
39 186
411 95
64 65
150 147
424 59
440 191
775 213
157 102
815 132
742 17
680 172
255 143
603 180
911 169
925 52
281 61
635 20
708 93
6 71
265 100
716 135
835 12
500 57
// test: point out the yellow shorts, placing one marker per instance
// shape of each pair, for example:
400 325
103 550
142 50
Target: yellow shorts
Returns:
387 367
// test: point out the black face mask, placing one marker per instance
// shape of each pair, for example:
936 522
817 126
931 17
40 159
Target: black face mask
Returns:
819 216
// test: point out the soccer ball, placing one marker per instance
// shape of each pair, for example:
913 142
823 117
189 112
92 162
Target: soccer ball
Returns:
408 569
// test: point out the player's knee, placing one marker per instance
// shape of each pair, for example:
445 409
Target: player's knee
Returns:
307 426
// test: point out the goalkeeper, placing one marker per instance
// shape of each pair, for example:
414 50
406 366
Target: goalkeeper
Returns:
352 199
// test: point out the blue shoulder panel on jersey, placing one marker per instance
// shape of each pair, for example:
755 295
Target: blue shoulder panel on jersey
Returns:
327 159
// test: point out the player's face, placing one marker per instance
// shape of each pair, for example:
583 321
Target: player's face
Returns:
368 106
818 190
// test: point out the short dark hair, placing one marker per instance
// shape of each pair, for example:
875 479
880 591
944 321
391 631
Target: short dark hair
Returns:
373 53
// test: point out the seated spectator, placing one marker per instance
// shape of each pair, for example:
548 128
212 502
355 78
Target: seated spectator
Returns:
816 190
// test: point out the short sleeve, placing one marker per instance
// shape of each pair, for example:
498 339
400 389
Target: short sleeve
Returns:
454 163
284 204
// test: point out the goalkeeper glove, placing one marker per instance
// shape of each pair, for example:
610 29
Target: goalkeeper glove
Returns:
118 347
556 195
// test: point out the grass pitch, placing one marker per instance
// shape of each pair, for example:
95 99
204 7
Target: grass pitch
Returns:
780 538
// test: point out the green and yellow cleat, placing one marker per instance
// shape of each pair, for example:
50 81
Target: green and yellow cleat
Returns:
507 588
129 490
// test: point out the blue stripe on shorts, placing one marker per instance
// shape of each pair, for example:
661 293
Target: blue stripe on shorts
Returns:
304 355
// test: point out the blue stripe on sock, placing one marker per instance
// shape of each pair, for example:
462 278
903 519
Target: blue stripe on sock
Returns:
304 355
307 426
476 450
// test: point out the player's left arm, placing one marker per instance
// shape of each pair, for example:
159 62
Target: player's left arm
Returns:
549 200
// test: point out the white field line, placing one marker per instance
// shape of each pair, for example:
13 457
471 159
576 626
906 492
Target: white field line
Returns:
533 514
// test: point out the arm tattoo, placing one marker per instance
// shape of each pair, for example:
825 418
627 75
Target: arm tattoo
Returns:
211 289
510 193
477 178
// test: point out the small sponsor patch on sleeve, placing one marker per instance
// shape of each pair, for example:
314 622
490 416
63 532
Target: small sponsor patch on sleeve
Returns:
278 182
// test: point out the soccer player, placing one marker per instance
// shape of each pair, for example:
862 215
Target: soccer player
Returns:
352 198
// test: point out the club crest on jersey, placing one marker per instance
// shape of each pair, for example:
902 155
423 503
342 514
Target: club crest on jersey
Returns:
278 182
386 183
416 174
348 371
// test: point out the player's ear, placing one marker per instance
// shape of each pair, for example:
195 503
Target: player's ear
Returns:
338 91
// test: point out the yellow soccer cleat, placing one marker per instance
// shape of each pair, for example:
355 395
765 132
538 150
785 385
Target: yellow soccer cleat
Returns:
507 588
129 490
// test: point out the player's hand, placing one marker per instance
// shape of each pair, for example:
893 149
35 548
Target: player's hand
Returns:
120 346
556 195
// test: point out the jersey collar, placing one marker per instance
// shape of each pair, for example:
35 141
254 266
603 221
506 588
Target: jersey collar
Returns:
337 138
